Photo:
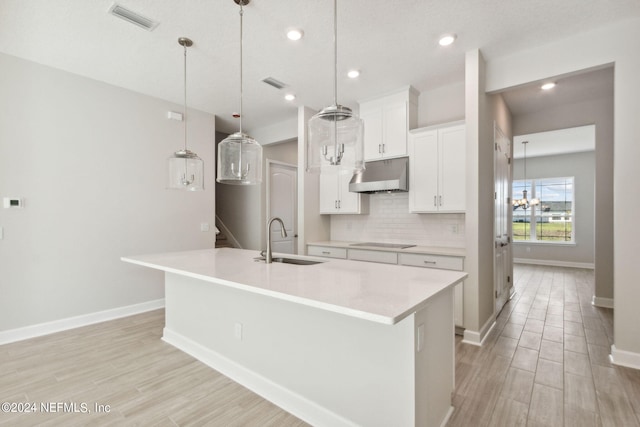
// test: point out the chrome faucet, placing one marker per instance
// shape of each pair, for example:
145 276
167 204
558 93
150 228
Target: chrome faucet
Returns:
268 257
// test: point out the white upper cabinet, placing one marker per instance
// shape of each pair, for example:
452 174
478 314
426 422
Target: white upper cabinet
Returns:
437 171
387 120
335 197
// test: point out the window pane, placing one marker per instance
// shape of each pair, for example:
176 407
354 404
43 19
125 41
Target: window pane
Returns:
552 216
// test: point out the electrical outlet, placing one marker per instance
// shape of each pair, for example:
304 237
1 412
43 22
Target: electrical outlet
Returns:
237 331
454 229
204 226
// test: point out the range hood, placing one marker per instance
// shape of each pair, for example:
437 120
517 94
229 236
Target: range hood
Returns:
382 176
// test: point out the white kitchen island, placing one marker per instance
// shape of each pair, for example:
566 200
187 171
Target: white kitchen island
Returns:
336 343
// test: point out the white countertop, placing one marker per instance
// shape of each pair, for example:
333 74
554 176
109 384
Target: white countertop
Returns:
425 250
377 292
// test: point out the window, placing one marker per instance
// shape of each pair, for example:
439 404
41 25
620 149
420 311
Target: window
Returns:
549 214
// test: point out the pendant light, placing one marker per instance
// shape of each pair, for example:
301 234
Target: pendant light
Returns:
335 142
186 169
239 155
524 202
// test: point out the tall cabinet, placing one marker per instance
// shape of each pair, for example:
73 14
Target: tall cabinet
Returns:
387 119
437 174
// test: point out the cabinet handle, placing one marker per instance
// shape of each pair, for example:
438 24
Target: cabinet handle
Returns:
326 253
430 262
383 149
339 204
434 201
380 148
440 200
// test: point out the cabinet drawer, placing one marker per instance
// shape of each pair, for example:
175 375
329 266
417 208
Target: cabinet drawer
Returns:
328 252
373 256
432 261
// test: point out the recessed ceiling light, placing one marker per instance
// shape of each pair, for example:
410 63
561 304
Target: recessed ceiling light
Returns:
447 39
295 34
289 97
548 86
353 74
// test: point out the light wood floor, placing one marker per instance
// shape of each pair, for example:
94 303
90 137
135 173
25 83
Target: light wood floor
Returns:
544 364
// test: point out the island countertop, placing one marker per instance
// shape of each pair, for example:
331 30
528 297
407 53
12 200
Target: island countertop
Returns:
375 292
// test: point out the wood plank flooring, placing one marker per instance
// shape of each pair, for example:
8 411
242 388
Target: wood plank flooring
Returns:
544 364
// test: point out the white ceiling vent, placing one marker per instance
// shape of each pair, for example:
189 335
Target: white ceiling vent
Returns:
133 17
275 83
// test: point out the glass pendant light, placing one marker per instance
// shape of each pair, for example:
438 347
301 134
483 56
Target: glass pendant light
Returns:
336 135
186 169
239 155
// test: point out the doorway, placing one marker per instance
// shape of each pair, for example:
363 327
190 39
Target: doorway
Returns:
282 202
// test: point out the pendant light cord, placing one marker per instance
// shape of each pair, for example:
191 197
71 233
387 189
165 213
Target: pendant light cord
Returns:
184 113
241 14
335 52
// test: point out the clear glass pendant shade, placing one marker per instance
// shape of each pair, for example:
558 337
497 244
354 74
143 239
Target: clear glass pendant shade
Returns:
186 171
239 160
336 141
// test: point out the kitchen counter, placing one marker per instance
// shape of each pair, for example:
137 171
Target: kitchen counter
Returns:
431 250
337 343
375 292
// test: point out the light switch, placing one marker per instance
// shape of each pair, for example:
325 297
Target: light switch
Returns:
204 226
420 337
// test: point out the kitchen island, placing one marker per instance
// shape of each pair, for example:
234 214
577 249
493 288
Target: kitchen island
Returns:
335 343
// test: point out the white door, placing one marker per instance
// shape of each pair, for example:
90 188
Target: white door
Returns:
502 218
282 203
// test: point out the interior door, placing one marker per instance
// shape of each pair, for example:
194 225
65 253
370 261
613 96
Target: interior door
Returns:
502 218
282 203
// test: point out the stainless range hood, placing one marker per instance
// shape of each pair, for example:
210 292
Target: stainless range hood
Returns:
382 176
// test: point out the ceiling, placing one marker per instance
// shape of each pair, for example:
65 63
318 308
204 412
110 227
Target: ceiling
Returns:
562 141
392 43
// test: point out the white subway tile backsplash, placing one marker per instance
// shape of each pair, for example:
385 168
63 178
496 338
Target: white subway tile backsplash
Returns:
389 221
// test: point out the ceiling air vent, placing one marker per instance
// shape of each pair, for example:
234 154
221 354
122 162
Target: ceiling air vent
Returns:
133 17
275 83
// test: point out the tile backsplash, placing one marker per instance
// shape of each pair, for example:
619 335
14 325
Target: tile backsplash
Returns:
389 221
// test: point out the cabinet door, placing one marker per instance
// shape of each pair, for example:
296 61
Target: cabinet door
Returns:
394 128
328 193
348 202
423 172
372 119
452 171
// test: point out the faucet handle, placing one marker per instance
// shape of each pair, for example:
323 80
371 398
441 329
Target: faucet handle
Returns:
263 253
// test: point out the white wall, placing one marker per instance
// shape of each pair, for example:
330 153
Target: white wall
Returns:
618 44
90 161
441 105
581 166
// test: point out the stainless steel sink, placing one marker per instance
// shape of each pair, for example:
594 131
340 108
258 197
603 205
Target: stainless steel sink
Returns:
296 261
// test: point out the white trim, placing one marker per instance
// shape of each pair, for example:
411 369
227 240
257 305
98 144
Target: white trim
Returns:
291 402
625 358
477 338
602 302
19 334
448 416
553 263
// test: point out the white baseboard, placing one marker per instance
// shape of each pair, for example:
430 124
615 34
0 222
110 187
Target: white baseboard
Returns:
625 358
478 337
602 302
47 328
554 263
291 402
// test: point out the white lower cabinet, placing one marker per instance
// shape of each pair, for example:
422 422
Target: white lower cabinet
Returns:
445 262
326 251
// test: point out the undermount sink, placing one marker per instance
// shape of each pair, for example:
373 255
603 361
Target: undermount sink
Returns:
296 261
